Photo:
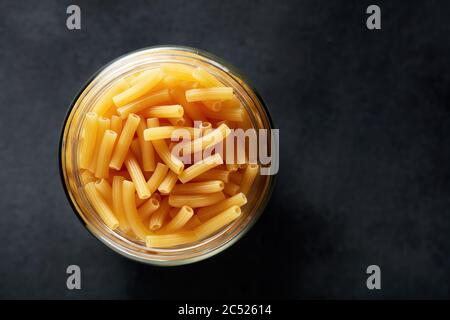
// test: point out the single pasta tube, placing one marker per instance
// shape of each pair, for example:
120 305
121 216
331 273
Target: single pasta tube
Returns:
116 124
100 206
191 109
208 94
153 99
147 151
199 187
157 177
90 127
104 154
144 83
170 240
175 164
117 202
205 79
168 183
231 114
214 106
200 167
214 174
137 176
148 207
180 219
104 189
124 141
231 188
167 132
103 125
136 148
208 212
210 139
195 200
136 225
216 223
192 223
248 178
105 103
168 111
178 71
158 217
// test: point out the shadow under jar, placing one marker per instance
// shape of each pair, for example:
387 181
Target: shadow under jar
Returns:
123 67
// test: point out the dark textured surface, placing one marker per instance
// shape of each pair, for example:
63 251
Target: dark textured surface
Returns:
365 153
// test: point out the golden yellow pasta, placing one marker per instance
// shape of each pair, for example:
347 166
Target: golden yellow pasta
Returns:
105 103
180 219
146 147
210 139
148 207
137 176
167 157
137 106
124 141
191 109
169 111
167 132
209 94
104 154
214 174
192 223
195 200
205 79
144 83
170 240
88 144
211 186
208 212
157 177
158 217
103 125
87 177
100 206
104 189
136 225
249 177
231 188
117 202
168 183
216 223
200 167
179 71
116 124
231 114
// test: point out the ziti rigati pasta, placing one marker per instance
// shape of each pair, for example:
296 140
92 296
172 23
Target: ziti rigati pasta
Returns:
132 179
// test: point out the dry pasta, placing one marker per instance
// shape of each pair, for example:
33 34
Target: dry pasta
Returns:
195 200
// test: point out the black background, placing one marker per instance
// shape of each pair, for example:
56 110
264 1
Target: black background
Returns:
365 147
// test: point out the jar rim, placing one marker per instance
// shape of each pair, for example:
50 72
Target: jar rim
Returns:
223 66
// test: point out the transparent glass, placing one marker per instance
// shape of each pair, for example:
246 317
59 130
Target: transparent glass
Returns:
137 61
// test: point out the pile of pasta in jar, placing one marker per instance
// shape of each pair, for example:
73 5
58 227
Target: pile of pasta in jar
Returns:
153 156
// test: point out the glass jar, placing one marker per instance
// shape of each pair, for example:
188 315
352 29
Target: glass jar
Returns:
70 138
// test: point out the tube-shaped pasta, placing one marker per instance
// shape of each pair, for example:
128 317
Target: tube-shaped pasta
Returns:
105 103
136 225
180 219
148 207
168 183
231 114
144 83
147 151
214 174
214 106
231 188
192 223
191 109
179 71
103 125
169 111
157 177
208 212
199 187
167 132
205 127
153 99
210 139
87 177
104 189
117 202
170 240
200 167
209 94
136 148
100 206
124 141
104 154
205 79
248 178
137 176
116 124
175 164
90 127
216 223
158 217
195 200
